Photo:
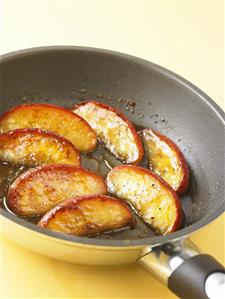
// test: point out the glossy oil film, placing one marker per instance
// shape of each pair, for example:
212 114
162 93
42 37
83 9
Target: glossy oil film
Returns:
101 161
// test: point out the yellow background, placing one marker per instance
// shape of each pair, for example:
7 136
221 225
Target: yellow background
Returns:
184 36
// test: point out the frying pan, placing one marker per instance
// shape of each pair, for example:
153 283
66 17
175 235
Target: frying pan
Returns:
164 101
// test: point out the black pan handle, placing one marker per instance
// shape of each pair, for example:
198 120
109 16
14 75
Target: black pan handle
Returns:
187 273
199 277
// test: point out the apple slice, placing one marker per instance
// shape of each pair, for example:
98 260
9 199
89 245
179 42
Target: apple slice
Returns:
113 129
155 201
51 118
34 147
166 160
88 215
39 189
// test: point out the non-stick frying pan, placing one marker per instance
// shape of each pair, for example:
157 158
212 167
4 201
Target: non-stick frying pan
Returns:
166 102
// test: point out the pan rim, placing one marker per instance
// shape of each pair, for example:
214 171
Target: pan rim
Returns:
151 241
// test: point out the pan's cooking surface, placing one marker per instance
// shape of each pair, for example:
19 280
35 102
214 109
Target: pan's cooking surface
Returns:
64 76
101 162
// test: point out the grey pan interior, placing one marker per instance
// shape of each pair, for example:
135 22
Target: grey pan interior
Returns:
59 75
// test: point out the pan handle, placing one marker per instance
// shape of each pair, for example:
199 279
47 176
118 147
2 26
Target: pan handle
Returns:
187 272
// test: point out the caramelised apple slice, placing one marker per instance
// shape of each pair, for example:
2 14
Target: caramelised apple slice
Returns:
34 147
88 215
51 118
39 189
113 129
166 160
155 201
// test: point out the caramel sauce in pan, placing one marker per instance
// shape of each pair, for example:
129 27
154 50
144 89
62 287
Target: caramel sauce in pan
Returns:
101 162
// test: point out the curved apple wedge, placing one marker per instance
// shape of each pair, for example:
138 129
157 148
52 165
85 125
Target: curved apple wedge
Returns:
51 118
166 160
88 215
34 147
155 201
113 129
39 189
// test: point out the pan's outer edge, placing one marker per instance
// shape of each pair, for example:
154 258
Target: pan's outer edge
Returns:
153 241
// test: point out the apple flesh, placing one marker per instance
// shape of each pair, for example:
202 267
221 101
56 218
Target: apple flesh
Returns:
166 160
34 147
88 215
113 129
153 199
39 189
51 118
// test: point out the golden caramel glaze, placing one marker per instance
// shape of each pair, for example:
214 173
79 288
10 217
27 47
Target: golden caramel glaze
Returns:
156 203
113 129
88 215
34 147
38 190
51 118
166 160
